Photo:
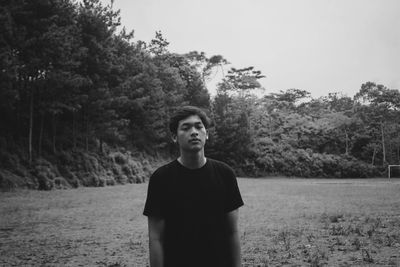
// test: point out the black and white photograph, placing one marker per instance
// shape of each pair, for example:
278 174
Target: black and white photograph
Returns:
199 133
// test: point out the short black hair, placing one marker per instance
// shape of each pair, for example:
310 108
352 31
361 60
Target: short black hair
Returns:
184 112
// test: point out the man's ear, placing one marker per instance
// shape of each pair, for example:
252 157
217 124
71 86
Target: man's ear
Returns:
207 135
173 138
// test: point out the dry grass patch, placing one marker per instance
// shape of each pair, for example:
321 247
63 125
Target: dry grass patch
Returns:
320 222
292 222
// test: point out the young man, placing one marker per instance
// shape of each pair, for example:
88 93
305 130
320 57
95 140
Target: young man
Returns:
192 202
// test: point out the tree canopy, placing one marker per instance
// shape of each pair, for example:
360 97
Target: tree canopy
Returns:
73 79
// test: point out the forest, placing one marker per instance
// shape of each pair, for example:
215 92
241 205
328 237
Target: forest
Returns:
83 103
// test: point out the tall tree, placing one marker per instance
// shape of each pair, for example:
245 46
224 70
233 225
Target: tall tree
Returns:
98 24
379 108
232 110
40 41
206 66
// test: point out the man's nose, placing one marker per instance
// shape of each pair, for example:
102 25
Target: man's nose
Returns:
194 132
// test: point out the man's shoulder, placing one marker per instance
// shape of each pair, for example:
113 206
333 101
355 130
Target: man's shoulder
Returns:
166 168
220 165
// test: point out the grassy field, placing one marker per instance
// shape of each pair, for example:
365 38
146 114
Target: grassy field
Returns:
294 222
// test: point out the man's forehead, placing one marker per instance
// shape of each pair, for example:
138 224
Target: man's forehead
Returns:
194 119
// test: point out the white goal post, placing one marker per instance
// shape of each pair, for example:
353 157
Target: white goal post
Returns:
389 166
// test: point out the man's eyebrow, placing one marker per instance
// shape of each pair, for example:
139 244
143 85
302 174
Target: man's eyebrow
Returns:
188 123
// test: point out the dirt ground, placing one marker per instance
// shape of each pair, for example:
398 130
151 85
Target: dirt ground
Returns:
285 222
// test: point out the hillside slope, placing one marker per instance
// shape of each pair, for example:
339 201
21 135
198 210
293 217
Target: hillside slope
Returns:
72 169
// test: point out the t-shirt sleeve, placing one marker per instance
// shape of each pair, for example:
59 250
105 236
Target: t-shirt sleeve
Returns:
154 200
233 198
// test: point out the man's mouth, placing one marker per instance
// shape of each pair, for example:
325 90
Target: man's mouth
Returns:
194 140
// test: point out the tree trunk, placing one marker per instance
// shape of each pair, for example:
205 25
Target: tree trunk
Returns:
87 134
54 132
347 142
41 135
398 148
101 146
373 156
383 145
222 70
73 130
270 128
18 117
30 126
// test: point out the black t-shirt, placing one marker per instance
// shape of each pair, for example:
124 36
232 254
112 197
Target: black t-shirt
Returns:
193 204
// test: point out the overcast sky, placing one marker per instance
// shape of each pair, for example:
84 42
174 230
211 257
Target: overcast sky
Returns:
320 46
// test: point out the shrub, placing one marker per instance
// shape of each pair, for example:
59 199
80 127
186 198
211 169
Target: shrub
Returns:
127 170
9 181
121 179
91 164
286 160
110 181
67 169
119 158
61 183
101 182
71 177
44 183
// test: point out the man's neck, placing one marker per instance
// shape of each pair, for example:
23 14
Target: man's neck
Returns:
192 160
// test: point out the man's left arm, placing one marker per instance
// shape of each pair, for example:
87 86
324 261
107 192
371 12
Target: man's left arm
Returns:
233 238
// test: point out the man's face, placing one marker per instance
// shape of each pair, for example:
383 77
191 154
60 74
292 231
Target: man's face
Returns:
191 134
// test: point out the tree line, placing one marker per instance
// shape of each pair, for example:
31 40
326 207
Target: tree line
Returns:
291 133
73 80
70 79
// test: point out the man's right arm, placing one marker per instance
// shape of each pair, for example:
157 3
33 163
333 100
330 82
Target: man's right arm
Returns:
156 241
